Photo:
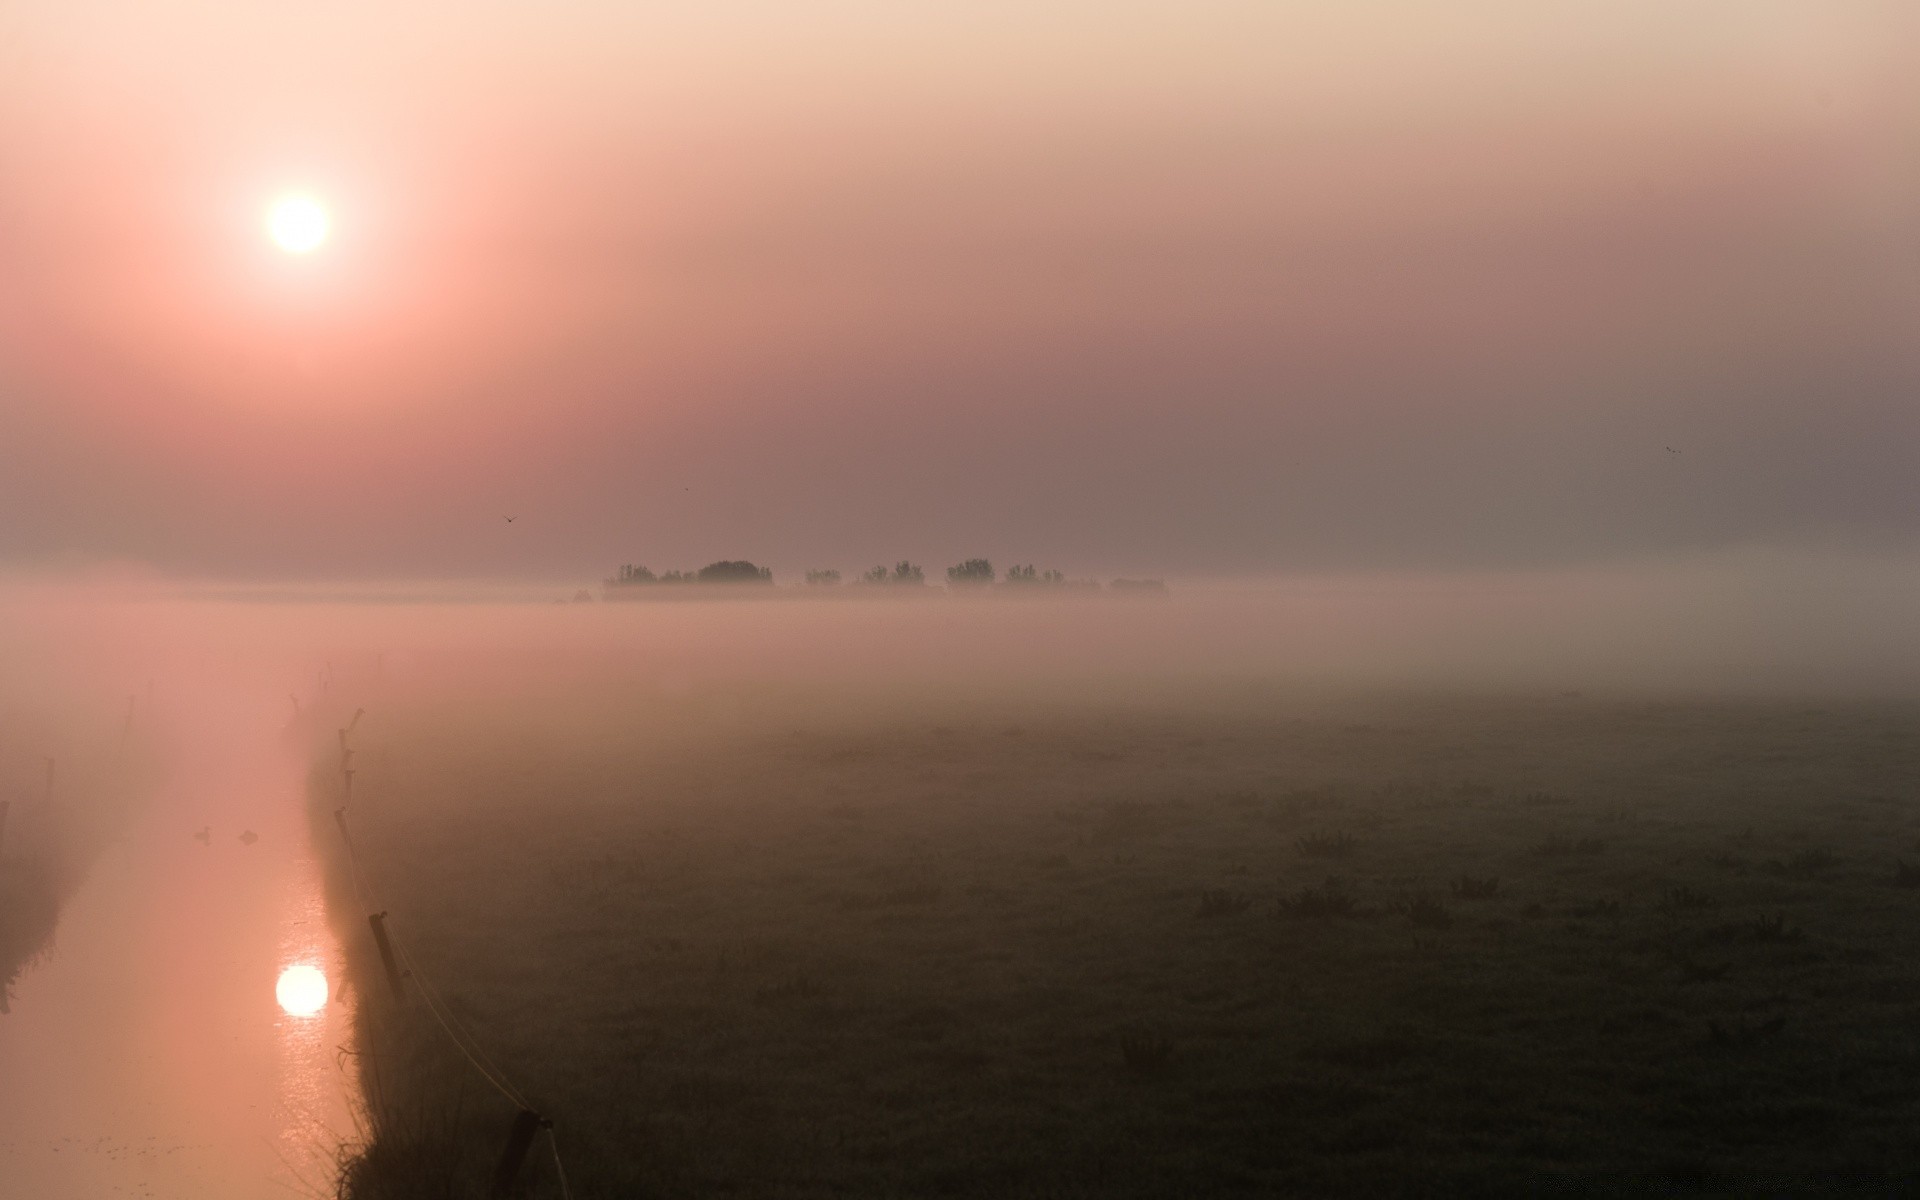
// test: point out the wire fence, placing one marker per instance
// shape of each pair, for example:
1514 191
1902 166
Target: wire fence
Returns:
529 1122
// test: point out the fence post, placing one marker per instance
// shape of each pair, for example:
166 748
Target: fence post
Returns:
519 1140
379 923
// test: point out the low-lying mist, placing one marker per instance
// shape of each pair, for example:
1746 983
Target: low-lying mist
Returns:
1754 623
777 892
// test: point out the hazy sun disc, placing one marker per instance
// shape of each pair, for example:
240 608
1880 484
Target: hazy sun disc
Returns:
302 990
297 224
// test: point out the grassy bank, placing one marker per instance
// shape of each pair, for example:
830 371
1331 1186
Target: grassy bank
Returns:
1244 944
31 888
53 830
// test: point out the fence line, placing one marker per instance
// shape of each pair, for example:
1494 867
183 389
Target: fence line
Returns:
559 1171
437 1007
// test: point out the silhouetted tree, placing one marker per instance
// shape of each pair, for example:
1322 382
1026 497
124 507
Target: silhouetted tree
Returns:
972 573
1027 575
734 571
823 578
907 574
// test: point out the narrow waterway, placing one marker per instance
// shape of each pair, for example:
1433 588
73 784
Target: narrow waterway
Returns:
151 1052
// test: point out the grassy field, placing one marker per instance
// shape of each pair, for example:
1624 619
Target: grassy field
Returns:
1233 941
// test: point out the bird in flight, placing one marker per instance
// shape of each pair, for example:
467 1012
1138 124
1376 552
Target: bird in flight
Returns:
509 520
1671 450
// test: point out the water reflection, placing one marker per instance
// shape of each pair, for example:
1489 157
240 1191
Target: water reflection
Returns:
164 1049
301 990
316 1074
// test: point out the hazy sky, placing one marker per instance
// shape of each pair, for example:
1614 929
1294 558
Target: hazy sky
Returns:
1118 286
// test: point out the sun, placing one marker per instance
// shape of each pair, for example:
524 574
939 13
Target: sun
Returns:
298 224
302 990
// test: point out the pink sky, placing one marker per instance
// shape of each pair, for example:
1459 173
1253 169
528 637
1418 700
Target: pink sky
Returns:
1125 287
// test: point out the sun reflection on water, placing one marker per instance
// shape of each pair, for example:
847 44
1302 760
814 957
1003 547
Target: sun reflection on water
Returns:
317 1076
302 989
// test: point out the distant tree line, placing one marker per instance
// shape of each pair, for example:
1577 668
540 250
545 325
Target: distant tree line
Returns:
974 573
904 574
725 571
978 572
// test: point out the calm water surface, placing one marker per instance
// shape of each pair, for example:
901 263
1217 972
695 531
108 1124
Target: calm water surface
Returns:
147 1055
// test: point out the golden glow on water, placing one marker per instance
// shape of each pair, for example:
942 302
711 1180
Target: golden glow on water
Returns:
302 989
227 1076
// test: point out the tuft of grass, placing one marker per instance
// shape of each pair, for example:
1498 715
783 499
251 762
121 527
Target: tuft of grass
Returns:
1766 929
1222 902
1330 899
1424 912
1337 844
1681 898
1469 888
1807 864
1693 972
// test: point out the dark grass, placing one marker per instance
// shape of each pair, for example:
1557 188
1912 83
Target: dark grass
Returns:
921 961
31 889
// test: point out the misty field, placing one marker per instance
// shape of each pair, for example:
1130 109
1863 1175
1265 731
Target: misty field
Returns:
1214 940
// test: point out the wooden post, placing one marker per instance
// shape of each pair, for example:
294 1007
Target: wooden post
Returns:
394 979
519 1140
